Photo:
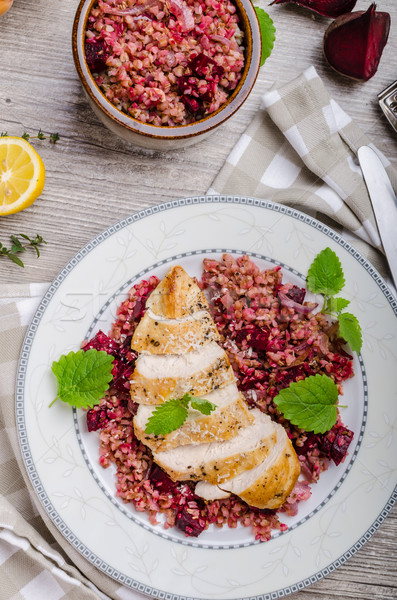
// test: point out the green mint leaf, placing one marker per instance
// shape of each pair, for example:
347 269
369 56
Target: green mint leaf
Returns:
336 305
325 275
203 405
268 33
173 413
167 417
350 330
83 377
310 404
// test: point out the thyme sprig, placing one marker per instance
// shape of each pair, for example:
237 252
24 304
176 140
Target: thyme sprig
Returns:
18 246
53 137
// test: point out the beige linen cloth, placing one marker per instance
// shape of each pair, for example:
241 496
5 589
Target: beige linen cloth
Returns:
300 150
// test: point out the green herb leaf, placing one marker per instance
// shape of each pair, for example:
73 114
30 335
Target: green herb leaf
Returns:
18 247
268 33
325 275
350 330
336 305
167 417
310 404
54 137
25 136
83 377
15 259
203 405
173 413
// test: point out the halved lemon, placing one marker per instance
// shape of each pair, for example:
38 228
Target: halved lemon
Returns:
22 175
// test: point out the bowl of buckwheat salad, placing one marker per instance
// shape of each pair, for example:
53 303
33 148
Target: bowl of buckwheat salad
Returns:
163 74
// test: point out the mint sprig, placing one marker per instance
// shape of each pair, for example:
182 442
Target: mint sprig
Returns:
268 33
310 404
325 276
172 414
83 377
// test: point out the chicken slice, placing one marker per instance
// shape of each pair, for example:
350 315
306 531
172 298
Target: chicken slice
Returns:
222 424
176 296
156 378
158 335
218 462
267 485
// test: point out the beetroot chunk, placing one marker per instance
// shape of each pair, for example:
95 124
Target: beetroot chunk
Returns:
161 481
205 67
296 294
96 54
353 43
335 443
256 337
96 419
188 522
326 8
101 341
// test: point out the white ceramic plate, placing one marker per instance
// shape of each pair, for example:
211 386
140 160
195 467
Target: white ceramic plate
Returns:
61 458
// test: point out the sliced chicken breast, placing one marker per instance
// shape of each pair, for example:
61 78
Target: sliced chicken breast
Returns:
158 335
222 424
156 378
176 296
267 485
218 462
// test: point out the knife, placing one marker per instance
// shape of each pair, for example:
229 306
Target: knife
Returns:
383 201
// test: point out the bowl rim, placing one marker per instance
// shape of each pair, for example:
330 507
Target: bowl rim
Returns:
206 124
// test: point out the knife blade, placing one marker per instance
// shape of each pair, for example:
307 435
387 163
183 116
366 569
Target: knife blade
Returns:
383 201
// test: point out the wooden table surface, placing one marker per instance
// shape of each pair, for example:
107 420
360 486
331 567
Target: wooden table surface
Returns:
94 179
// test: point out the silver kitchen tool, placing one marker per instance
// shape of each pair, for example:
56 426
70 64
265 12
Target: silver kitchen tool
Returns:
388 103
383 201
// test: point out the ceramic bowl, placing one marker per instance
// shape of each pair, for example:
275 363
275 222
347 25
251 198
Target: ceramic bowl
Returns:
167 138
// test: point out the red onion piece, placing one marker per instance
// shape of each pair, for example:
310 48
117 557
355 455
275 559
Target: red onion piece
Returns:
323 343
182 13
299 308
325 8
353 43
170 59
222 40
137 9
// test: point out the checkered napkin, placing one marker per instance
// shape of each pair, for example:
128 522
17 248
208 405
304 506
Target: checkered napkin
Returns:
36 562
301 150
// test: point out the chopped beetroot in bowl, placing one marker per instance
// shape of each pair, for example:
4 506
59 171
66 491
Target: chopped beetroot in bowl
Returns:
165 62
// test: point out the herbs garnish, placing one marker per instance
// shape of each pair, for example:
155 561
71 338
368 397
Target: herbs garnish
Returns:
83 377
310 403
268 33
19 246
326 277
173 413
53 137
